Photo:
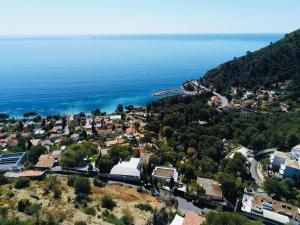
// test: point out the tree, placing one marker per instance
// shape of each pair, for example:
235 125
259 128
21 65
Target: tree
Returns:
35 152
82 185
195 191
105 164
274 186
228 184
96 112
120 109
107 202
3 117
118 152
167 131
228 218
75 154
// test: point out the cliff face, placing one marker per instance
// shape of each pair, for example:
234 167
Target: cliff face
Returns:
277 63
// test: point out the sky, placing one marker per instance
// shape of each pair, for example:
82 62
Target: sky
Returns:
80 17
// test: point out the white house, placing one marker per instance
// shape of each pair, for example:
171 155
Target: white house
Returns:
288 164
291 168
165 173
295 153
129 168
278 158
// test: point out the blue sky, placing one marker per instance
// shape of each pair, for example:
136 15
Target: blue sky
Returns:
148 16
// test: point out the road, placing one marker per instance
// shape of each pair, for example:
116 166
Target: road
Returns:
254 169
224 100
254 172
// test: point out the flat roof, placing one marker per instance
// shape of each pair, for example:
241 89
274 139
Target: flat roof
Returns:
164 171
193 219
210 186
11 158
275 216
127 168
178 220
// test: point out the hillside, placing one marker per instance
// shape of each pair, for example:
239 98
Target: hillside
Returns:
266 68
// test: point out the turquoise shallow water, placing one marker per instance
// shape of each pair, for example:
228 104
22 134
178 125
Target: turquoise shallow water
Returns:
69 74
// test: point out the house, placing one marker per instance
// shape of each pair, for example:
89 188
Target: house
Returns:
189 219
287 164
75 137
12 161
56 155
291 169
36 142
115 117
33 174
45 162
165 173
278 158
129 168
212 188
130 131
262 207
295 153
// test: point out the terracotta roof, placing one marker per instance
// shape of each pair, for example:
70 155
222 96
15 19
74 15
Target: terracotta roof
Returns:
45 161
193 219
32 173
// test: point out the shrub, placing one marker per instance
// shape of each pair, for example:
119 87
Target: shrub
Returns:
3 180
111 218
23 204
90 211
80 223
108 203
82 198
82 185
127 217
22 182
57 193
33 209
98 183
71 180
3 212
145 207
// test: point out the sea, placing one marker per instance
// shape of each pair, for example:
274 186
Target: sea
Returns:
71 74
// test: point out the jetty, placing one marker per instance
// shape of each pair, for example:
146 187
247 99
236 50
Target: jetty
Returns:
166 92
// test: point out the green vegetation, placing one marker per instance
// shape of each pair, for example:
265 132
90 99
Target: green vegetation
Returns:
111 218
80 223
90 211
34 153
145 207
117 152
287 189
75 154
53 184
108 203
276 63
22 182
127 217
227 218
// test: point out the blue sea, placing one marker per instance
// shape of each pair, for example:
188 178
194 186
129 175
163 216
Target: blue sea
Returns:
70 74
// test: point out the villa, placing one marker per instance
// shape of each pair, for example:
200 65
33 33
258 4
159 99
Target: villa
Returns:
287 164
165 173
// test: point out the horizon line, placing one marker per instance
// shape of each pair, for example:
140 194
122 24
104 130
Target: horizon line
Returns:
139 34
